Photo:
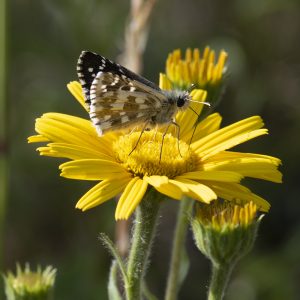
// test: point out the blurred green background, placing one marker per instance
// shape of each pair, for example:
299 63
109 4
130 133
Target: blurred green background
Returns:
41 225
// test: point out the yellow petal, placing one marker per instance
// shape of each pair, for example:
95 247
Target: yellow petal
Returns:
164 82
70 151
238 193
156 180
232 142
224 176
225 134
248 164
198 191
76 90
187 118
74 122
103 191
63 128
181 185
208 125
131 198
37 139
91 169
164 186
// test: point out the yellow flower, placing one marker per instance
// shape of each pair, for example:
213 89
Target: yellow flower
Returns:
203 71
202 169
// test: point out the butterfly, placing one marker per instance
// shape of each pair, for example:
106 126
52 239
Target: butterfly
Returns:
118 98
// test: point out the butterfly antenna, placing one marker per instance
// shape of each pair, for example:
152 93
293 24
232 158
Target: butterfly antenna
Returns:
192 86
202 102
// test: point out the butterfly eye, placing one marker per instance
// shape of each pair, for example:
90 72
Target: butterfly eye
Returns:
180 102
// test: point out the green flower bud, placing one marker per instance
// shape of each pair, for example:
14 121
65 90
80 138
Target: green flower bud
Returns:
225 232
30 285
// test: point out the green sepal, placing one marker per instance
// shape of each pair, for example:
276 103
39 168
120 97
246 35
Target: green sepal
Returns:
227 245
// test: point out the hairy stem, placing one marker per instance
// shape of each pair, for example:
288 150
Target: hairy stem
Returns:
178 249
219 281
142 236
3 129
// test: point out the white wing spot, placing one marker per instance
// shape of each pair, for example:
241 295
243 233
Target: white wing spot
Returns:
117 106
124 119
139 115
106 125
132 89
91 69
115 81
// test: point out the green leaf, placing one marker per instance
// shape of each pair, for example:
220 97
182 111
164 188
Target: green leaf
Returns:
107 242
113 291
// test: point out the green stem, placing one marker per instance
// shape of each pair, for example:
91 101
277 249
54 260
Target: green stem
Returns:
3 113
219 281
142 236
178 249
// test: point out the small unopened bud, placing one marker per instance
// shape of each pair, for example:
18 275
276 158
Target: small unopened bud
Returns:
225 232
30 285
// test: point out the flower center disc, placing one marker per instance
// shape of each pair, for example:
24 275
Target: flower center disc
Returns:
148 147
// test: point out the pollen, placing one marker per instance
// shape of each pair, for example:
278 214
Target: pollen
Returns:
149 154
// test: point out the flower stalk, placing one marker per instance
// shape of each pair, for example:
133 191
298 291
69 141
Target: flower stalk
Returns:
220 277
3 126
142 237
178 269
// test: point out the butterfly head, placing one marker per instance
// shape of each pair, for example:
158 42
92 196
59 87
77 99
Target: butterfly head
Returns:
182 99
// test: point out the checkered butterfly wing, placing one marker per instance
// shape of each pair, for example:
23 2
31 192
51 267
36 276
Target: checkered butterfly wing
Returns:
117 97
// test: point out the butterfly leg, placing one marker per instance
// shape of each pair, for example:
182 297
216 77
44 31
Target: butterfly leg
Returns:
195 127
132 131
163 137
142 131
178 135
155 134
162 141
